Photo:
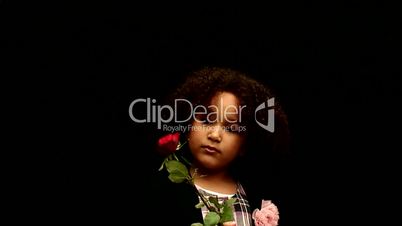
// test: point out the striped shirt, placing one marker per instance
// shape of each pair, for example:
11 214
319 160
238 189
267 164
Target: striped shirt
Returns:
241 208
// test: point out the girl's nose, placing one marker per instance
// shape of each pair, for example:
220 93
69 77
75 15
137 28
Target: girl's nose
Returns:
215 134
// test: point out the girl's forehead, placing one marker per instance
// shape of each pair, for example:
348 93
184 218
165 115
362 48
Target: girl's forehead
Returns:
224 99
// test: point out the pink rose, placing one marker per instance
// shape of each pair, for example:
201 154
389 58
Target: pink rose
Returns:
267 216
168 144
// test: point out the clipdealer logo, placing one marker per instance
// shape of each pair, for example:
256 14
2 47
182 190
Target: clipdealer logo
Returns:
154 113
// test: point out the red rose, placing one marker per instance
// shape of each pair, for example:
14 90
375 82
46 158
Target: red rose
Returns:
168 144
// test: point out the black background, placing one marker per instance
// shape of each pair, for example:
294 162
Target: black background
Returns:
74 68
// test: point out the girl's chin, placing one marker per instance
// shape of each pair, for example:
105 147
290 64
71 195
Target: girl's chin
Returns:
209 165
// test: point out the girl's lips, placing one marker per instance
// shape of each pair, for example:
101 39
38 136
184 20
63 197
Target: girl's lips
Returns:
210 149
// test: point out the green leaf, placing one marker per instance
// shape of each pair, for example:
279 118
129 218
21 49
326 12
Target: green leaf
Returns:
178 171
211 219
230 201
197 224
199 205
176 166
214 200
227 210
175 178
227 214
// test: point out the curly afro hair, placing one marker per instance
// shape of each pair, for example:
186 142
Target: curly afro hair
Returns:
202 85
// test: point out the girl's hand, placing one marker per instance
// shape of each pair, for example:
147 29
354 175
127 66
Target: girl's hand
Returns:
229 223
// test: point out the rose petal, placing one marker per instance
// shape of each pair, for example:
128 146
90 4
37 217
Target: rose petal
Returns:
267 216
168 143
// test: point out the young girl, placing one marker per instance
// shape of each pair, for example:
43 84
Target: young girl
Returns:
232 153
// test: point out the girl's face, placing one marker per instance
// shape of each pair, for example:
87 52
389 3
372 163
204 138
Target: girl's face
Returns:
214 139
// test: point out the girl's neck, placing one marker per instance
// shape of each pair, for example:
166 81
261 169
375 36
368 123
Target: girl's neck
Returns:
220 182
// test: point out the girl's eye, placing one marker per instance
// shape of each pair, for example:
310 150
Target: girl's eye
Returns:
233 128
206 122
200 117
